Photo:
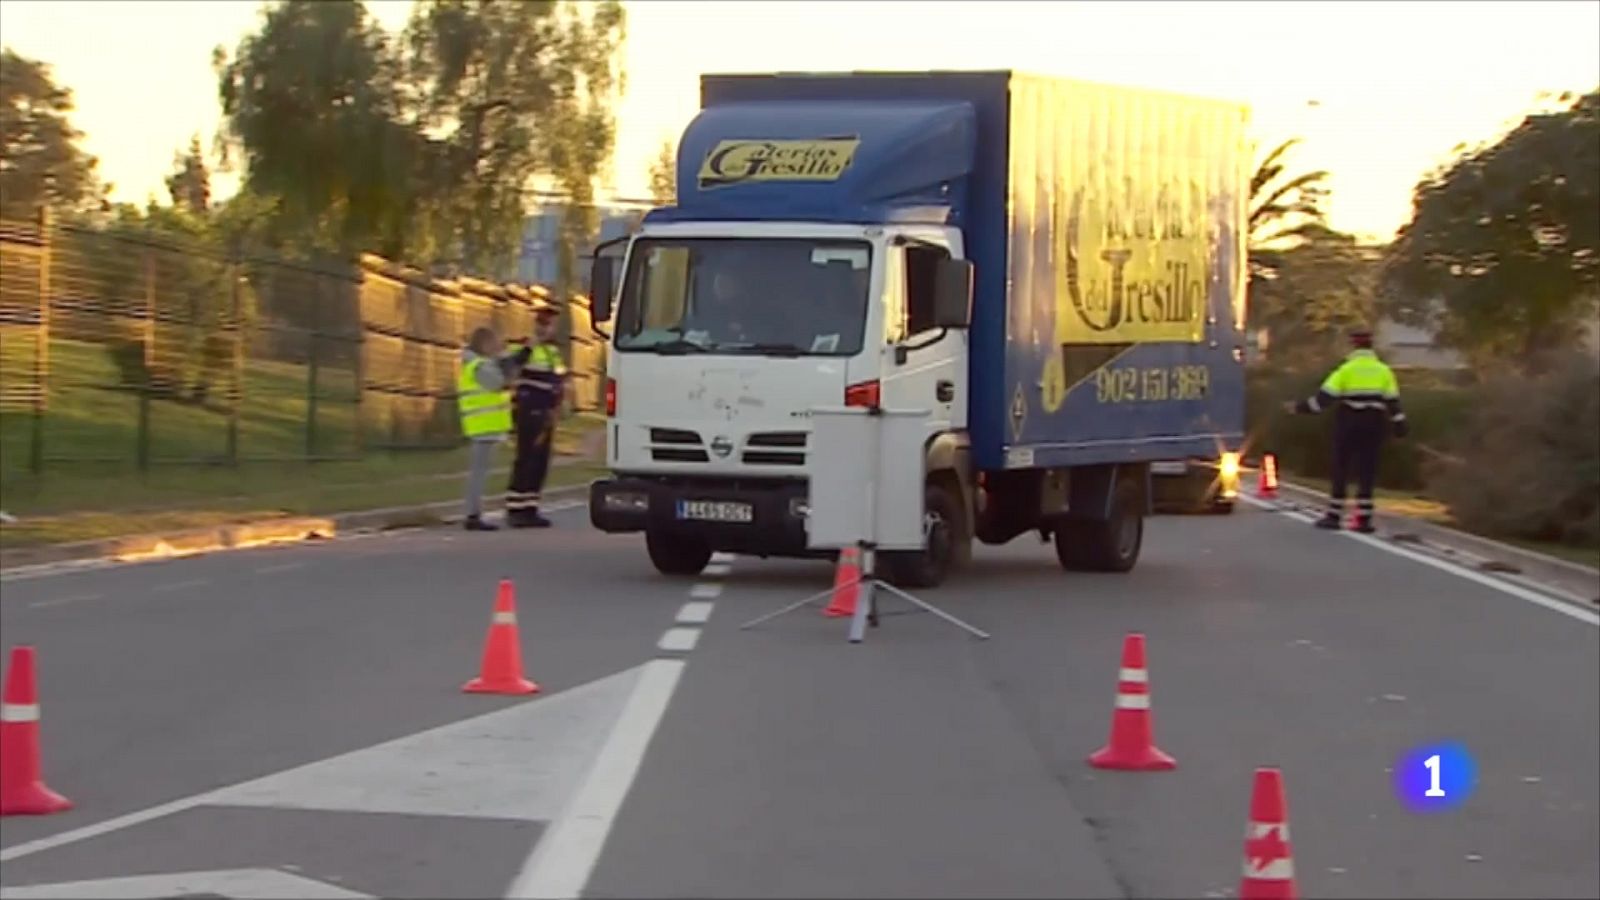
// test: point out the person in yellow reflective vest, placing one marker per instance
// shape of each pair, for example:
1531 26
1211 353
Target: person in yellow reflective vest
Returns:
483 399
1366 400
540 388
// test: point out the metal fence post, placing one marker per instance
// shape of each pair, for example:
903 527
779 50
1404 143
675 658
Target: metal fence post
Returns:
147 383
311 370
41 350
236 325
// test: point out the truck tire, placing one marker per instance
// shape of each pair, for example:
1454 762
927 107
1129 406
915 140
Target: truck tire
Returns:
946 528
675 554
1109 546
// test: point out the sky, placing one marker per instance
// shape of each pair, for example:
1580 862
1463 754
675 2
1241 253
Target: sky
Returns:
1381 92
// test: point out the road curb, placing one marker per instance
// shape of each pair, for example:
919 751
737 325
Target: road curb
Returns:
1487 554
242 535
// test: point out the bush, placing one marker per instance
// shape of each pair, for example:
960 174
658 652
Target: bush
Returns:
1435 408
1530 462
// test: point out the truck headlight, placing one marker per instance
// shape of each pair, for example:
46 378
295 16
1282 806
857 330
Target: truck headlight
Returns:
626 502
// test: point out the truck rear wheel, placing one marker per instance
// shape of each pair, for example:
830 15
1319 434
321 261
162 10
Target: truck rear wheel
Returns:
677 554
1109 546
946 530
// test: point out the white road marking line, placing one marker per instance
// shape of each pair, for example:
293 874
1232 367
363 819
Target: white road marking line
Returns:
281 567
180 585
717 570
721 557
709 591
62 601
679 640
229 794
564 857
1521 593
695 612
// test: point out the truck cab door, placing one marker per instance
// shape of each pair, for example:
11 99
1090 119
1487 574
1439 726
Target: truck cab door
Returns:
923 366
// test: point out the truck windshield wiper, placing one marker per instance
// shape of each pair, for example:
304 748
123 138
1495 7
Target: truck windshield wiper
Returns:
678 347
773 349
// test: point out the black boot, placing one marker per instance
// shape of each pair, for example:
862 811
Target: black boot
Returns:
529 518
476 523
1329 522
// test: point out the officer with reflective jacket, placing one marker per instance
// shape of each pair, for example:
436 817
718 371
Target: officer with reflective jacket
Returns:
540 389
1366 400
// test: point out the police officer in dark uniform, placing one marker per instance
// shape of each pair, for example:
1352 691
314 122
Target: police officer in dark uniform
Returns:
1366 401
540 389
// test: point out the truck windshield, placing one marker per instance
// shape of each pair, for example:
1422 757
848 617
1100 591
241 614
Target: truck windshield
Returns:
745 296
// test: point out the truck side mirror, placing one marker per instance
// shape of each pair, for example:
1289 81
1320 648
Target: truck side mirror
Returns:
603 279
952 294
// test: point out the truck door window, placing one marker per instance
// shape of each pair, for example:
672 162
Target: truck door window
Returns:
922 262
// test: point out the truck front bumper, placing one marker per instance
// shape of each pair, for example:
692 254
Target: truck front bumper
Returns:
758 520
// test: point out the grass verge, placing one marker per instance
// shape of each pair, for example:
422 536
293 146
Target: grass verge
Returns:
79 504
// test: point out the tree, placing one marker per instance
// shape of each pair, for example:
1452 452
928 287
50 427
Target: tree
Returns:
310 101
41 164
1306 296
664 175
505 91
190 182
423 149
1502 254
1281 208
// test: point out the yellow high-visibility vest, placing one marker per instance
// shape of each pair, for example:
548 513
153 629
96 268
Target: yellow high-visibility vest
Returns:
1363 381
483 413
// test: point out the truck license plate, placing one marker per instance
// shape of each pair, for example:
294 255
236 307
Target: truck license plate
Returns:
1178 467
715 511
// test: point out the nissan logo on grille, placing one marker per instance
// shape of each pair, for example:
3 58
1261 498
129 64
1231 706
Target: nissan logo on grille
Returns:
721 446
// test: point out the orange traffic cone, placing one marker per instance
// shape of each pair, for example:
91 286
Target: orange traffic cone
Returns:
1267 478
1131 746
501 672
1268 856
846 584
22 787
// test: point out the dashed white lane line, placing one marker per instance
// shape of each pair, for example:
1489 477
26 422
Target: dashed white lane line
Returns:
722 558
718 570
695 612
63 601
706 591
679 640
1521 593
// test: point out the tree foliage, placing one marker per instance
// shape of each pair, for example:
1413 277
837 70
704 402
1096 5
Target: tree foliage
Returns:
1308 295
41 163
189 184
423 148
664 175
1283 207
1502 254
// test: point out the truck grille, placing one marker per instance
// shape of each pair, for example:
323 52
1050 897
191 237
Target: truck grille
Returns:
680 446
776 448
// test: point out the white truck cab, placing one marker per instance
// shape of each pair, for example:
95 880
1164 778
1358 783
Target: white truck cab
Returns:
726 334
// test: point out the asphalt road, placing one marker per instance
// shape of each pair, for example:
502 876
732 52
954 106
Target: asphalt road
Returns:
288 722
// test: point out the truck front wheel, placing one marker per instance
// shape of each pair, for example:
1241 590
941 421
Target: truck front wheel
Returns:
677 554
946 531
1109 546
